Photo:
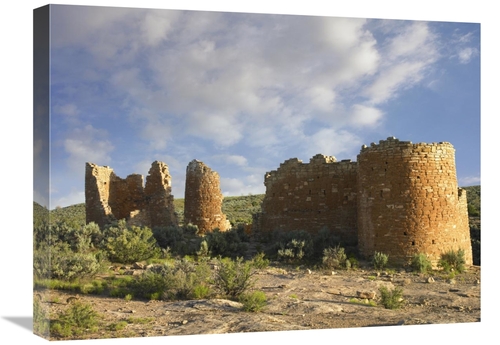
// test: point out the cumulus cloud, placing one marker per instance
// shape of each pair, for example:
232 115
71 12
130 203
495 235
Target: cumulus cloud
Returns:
189 82
87 144
331 142
365 116
237 160
245 186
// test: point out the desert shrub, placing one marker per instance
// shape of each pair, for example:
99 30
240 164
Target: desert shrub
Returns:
225 243
127 244
234 277
40 318
391 299
292 246
453 261
203 253
191 229
253 301
118 326
421 263
292 251
152 283
170 237
60 262
335 258
380 260
189 280
322 240
259 262
183 280
78 318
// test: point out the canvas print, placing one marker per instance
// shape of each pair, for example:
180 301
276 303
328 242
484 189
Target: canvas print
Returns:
203 172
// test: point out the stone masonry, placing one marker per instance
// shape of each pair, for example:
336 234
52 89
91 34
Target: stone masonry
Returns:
109 197
399 198
203 199
312 196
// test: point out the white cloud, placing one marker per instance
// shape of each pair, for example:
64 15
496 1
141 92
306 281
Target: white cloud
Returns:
469 181
69 109
87 144
237 160
393 80
321 98
365 116
467 54
245 186
68 200
331 142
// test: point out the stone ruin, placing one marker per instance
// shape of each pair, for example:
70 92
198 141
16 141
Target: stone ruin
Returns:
109 197
399 198
203 199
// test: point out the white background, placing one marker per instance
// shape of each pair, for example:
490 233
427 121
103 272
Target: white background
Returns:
16 168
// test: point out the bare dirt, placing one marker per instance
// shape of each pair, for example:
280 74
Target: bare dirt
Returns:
298 299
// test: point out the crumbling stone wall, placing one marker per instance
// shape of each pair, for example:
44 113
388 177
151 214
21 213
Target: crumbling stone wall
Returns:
399 198
409 201
311 196
109 197
203 198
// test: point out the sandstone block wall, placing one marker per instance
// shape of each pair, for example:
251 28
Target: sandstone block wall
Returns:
203 198
311 196
409 201
399 198
109 197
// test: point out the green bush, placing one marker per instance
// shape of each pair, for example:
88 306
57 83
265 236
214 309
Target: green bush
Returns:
259 262
391 299
292 246
40 318
380 260
453 261
60 262
225 243
234 277
75 320
292 251
170 237
322 240
127 244
254 301
421 263
335 258
183 280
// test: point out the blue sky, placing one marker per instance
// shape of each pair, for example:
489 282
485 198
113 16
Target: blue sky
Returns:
244 92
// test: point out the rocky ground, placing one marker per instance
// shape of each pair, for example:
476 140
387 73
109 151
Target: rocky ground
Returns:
298 299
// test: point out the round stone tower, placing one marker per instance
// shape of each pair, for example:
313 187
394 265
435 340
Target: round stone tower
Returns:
409 201
203 199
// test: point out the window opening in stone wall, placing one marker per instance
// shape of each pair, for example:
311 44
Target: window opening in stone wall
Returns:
381 193
433 241
309 192
405 233
412 243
